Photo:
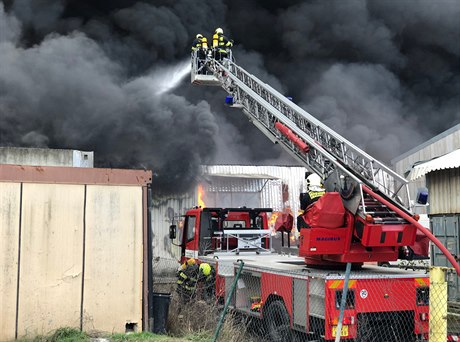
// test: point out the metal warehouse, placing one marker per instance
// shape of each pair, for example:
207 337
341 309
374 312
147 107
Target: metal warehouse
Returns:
436 165
276 187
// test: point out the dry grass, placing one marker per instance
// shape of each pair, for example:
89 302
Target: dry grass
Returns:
197 321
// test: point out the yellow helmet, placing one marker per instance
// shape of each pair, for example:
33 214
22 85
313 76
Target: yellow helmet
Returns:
219 30
199 35
205 268
191 262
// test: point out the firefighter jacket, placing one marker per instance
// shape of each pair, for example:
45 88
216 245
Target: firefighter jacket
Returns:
221 42
187 278
197 44
308 198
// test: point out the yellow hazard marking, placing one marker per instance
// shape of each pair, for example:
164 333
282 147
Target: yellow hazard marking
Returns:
344 331
421 282
334 284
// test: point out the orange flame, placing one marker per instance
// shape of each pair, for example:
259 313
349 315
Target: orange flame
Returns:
272 220
200 196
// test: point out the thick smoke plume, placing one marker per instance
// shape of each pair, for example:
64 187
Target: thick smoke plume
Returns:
107 76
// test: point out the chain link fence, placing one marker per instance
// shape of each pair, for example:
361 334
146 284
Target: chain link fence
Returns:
381 304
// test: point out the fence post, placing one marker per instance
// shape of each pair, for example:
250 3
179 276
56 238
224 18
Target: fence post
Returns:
343 302
438 305
227 303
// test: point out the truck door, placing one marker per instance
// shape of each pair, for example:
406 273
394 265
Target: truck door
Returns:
189 239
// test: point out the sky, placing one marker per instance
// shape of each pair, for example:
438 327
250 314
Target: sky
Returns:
111 77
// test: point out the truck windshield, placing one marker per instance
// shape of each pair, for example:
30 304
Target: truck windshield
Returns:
234 224
190 227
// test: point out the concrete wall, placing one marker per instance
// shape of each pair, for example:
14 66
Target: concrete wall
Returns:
45 157
71 254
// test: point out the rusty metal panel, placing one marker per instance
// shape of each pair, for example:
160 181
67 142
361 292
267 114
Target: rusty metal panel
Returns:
51 258
112 295
10 196
73 175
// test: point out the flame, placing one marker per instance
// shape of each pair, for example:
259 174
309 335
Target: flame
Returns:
272 220
200 196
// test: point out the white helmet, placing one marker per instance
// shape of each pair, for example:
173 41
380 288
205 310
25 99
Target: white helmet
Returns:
219 31
314 182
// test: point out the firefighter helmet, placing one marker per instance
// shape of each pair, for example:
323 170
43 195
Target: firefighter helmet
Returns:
314 182
191 262
205 268
219 31
199 35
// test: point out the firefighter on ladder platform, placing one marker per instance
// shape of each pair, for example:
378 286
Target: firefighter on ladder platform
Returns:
220 44
314 191
200 47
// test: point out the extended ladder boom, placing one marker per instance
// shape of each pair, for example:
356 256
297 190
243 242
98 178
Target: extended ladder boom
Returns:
324 151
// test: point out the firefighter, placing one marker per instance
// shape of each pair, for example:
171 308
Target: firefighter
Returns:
200 47
196 45
314 191
220 44
187 277
207 278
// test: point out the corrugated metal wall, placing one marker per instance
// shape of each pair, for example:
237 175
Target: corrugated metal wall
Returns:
276 187
444 143
70 255
447 229
444 191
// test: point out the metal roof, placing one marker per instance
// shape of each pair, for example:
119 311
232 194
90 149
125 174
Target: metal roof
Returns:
426 143
447 161
241 175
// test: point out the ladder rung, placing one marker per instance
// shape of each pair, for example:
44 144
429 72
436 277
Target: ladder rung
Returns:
380 212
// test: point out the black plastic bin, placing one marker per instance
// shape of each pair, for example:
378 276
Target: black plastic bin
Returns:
160 303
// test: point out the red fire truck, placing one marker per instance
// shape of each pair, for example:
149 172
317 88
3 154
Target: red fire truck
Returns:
294 300
365 216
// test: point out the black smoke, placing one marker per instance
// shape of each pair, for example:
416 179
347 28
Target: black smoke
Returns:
85 75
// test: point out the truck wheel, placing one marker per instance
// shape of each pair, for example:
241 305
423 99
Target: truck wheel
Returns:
277 322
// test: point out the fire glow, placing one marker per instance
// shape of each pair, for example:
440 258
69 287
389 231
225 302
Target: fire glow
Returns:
200 196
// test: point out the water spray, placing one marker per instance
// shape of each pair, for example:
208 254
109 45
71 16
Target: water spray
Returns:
170 77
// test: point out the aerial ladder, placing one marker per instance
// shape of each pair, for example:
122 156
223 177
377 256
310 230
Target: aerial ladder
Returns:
377 197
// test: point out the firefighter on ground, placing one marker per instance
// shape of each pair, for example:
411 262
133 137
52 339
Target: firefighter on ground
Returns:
187 277
207 279
314 191
220 44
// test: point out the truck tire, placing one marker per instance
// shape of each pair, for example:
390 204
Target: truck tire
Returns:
277 322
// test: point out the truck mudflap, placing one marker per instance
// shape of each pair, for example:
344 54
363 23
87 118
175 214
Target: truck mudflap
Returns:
378 309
